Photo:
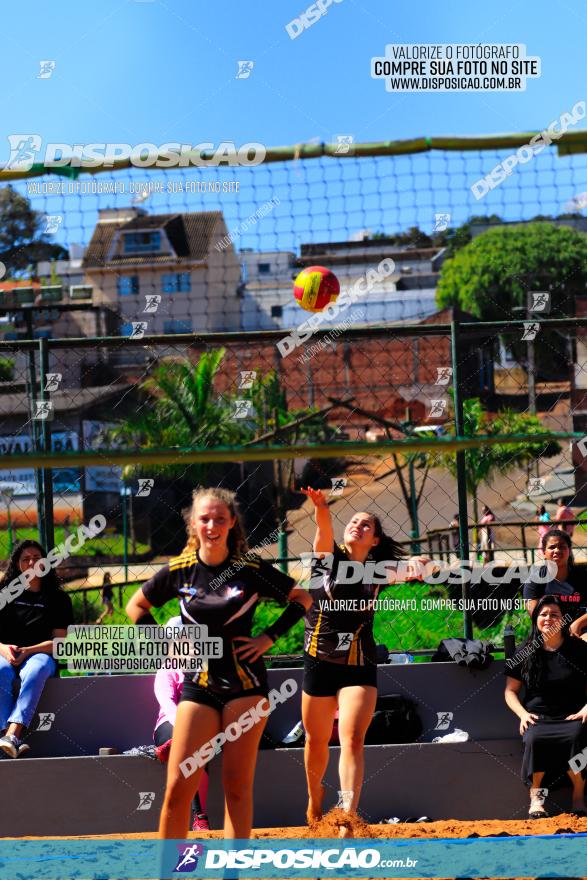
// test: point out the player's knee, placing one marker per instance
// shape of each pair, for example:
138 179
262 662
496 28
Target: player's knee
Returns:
352 740
237 787
178 792
318 738
45 663
43 667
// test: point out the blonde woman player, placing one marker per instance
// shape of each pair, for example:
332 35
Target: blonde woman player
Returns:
340 664
216 594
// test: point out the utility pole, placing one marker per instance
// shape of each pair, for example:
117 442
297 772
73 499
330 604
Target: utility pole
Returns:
32 388
461 472
408 429
531 357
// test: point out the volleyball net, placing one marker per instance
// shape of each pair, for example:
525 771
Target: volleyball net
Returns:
151 343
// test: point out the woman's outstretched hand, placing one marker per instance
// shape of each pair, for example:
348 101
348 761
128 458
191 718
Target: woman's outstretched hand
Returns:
316 496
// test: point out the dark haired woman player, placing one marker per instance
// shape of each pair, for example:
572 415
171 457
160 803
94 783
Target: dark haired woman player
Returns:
340 663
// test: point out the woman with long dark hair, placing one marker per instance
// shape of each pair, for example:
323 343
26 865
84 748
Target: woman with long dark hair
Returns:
340 663
552 667
218 584
29 621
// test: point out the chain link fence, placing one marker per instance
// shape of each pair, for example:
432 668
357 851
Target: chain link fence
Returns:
151 344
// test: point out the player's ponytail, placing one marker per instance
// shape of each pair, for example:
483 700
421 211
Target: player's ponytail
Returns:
387 548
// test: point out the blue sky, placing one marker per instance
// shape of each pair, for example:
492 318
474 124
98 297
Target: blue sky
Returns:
166 70
160 71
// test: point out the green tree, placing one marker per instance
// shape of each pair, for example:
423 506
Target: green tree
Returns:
272 415
482 463
22 241
455 238
180 409
489 276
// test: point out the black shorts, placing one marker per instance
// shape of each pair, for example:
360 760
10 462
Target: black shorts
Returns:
324 679
194 693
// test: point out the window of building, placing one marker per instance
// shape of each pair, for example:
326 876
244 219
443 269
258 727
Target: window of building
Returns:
127 284
276 311
142 242
177 326
80 291
176 282
264 268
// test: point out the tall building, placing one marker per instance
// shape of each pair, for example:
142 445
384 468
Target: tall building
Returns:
267 279
133 255
406 294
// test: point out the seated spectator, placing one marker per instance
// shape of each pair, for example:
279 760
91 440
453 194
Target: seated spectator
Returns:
564 513
168 688
28 625
568 585
552 668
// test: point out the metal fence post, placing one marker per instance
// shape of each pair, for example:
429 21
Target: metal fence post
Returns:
32 389
461 474
45 432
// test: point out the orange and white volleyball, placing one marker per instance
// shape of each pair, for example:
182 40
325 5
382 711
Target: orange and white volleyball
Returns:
316 287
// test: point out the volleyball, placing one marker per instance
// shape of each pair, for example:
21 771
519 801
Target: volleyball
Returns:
315 287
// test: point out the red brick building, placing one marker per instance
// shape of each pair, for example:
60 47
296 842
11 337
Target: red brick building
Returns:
383 373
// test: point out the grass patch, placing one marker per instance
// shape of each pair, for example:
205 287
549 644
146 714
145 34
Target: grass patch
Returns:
102 545
400 630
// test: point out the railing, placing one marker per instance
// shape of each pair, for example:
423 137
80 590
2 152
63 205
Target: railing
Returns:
441 542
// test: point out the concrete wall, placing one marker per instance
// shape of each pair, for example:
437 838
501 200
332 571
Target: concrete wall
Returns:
120 710
87 794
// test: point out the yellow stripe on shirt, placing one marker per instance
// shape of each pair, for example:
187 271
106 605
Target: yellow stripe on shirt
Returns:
354 655
313 647
184 561
246 680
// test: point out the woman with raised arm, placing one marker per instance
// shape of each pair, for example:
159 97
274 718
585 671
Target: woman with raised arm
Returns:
218 587
340 663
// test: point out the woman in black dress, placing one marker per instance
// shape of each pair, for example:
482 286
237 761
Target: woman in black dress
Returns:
340 659
552 666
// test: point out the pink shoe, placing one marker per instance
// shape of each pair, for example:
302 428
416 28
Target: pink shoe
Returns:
201 822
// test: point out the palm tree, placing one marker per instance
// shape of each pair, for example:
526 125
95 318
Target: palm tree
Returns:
180 409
